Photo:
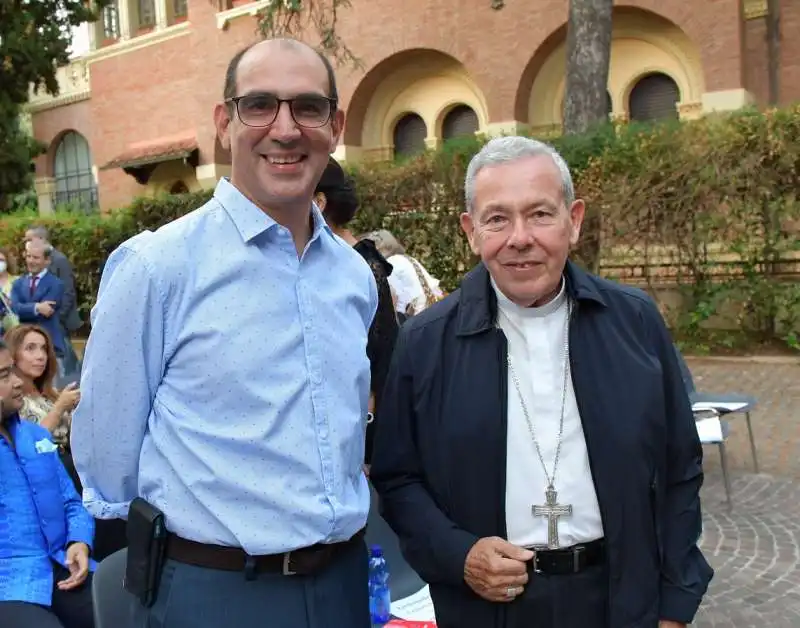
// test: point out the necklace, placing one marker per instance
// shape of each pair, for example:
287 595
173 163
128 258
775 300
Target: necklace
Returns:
551 508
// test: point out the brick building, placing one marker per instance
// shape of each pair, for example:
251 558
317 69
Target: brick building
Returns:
134 115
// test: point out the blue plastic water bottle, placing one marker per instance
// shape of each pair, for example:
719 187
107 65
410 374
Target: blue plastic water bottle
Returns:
380 600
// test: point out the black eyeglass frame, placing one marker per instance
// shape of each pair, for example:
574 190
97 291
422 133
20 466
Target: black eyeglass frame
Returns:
333 102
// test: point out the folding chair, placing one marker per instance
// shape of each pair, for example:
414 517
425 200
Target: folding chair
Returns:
723 403
709 435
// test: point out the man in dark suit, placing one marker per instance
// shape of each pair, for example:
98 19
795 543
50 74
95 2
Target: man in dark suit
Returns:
37 297
61 267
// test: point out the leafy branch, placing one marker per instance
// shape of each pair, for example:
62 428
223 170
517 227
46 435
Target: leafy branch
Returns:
296 18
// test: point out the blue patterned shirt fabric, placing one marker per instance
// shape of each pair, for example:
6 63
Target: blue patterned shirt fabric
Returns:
40 514
226 381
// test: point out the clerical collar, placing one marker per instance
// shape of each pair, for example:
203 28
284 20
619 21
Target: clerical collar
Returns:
509 307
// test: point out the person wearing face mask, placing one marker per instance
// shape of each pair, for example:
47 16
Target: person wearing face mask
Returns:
7 278
230 390
8 318
536 452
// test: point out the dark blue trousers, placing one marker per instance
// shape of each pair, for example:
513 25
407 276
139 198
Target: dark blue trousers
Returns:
195 597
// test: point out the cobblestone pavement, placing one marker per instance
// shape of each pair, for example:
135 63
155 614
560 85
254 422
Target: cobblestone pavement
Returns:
754 546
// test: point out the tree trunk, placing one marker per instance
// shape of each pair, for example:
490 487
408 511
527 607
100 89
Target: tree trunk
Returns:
774 50
588 58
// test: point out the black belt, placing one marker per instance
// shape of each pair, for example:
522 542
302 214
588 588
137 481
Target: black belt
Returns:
304 562
568 559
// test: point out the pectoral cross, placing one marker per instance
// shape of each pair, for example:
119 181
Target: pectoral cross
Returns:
553 511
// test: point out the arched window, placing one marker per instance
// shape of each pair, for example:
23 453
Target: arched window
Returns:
409 135
72 168
654 97
179 187
460 121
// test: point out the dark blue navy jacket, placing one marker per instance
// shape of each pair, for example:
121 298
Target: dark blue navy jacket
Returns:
48 288
440 452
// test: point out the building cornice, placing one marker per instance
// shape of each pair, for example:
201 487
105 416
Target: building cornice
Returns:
140 41
251 8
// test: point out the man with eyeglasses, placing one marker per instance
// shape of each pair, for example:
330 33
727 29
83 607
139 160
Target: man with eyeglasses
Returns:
226 380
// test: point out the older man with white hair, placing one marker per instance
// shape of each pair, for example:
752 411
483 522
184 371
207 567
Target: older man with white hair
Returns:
537 454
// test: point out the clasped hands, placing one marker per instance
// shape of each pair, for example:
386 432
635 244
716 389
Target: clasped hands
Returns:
497 571
45 308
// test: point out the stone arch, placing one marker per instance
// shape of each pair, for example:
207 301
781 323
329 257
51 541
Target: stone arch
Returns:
422 80
643 42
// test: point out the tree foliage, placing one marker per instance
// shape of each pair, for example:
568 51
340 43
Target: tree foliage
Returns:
294 18
35 38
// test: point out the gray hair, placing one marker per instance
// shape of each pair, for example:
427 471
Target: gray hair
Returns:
39 231
501 150
385 242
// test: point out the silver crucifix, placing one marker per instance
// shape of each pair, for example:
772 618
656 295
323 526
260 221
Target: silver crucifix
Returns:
553 511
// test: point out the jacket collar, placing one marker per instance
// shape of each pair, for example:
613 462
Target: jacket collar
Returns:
477 310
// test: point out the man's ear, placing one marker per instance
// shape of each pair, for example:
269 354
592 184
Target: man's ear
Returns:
576 215
468 227
222 121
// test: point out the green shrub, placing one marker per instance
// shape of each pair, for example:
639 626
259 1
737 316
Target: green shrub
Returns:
710 206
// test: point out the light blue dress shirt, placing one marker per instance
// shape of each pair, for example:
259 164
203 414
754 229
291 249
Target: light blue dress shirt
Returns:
226 381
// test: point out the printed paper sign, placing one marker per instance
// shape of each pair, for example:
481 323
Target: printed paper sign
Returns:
417 607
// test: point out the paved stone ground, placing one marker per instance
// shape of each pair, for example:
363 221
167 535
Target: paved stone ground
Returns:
755 545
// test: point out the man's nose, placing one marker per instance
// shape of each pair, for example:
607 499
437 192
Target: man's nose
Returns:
521 235
284 128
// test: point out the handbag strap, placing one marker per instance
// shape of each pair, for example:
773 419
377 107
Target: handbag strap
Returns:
426 289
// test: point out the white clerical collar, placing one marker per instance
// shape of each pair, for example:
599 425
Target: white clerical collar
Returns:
510 308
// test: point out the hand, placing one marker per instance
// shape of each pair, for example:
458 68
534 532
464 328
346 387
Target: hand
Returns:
366 468
494 566
69 397
45 308
667 623
78 565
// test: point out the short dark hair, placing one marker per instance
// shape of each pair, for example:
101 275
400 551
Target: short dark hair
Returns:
341 201
229 90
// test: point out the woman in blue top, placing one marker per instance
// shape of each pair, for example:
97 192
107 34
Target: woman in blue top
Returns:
45 532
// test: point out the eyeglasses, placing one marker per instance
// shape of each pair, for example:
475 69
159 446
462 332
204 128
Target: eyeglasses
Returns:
260 110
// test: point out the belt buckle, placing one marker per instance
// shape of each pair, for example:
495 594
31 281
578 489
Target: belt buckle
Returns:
536 561
287 565
576 558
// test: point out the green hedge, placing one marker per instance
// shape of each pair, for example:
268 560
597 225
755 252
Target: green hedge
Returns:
712 203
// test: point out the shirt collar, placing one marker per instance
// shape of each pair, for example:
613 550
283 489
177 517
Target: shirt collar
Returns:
39 275
251 221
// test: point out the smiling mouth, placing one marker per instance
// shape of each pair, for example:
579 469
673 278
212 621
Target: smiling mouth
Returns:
284 160
522 265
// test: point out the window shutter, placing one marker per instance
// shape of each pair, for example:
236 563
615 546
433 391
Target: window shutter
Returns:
461 121
654 98
409 135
